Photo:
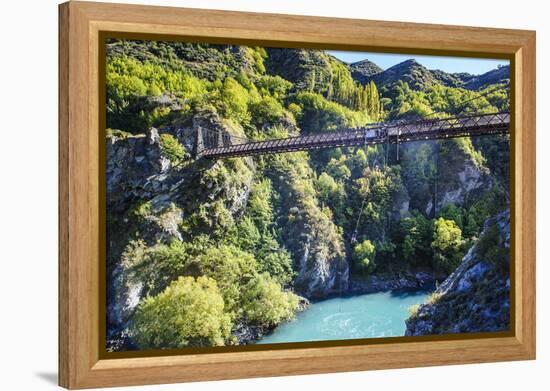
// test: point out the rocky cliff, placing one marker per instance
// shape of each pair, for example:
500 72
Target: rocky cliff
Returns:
476 296
309 233
446 172
155 200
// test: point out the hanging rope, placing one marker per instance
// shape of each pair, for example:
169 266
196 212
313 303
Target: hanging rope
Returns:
341 288
363 202
354 235
355 231
436 178
397 144
385 163
462 106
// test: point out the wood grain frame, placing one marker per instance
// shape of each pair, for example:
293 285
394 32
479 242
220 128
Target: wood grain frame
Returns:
81 364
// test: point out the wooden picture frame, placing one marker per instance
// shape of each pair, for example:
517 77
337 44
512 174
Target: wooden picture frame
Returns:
81 364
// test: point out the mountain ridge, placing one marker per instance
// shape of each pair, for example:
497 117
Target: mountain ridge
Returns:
420 77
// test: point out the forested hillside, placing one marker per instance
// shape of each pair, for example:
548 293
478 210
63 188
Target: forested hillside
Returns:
238 245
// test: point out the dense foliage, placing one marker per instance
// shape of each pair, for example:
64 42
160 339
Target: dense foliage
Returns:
447 244
241 234
188 313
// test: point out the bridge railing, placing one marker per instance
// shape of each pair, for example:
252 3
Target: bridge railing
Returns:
216 144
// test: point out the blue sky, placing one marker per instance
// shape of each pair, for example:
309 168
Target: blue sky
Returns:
474 66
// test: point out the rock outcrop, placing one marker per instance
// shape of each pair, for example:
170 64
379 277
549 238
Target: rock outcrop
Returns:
419 279
476 296
445 172
149 196
468 180
309 233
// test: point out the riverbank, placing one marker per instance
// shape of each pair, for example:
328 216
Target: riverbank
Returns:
247 334
417 279
371 315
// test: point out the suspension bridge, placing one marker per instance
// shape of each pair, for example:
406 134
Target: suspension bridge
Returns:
216 144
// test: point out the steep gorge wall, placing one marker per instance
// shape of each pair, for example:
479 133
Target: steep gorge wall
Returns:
151 199
476 296
308 231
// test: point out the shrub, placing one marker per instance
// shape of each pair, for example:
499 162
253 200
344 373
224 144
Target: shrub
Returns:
296 110
231 267
447 245
364 254
171 148
234 100
433 298
142 209
277 263
265 303
120 134
490 248
188 313
154 267
266 111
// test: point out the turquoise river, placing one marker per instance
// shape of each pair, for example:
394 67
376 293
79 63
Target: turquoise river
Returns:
370 315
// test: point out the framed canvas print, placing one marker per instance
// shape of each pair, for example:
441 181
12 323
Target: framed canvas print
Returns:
247 195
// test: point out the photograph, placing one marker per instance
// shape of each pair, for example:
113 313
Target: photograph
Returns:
282 195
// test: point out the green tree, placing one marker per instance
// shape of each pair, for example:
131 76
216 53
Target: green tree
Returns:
364 254
265 303
338 169
188 313
378 187
415 234
234 100
318 114
171 148
248 235
453 212
267 111
276 261
330 191
154 267
490 248
275 86
447 245
231 268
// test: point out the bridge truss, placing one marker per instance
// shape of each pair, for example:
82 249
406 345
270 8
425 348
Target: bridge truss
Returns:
214 144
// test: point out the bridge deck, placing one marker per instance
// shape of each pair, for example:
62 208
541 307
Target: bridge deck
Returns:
395 132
